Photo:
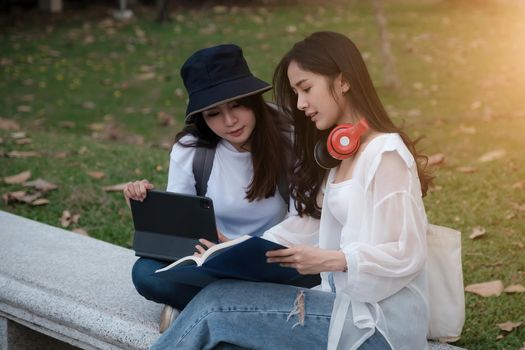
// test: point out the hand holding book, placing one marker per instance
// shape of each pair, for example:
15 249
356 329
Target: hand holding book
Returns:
200 250
307 259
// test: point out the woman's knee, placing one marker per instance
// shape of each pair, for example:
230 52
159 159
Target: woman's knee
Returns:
142 272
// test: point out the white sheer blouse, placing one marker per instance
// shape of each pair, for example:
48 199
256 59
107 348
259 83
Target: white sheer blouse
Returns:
378 220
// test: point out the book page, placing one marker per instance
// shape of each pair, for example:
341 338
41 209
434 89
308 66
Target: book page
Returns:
199 260
187 260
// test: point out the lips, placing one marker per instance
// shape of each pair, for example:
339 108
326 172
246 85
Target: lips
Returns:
311 115
237 132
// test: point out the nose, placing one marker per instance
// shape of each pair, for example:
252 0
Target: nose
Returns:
229 117
301 102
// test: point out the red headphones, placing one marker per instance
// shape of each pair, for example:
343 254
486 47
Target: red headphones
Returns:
345 139
342 143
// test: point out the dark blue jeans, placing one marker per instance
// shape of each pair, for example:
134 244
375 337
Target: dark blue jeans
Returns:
156 289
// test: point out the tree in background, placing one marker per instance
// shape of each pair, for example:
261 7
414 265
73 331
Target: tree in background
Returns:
391 76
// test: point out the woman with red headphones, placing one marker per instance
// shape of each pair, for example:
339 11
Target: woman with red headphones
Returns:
366 212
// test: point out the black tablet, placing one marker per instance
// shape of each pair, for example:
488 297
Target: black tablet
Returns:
168 225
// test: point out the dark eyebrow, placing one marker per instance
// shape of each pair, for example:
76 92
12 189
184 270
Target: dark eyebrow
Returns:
300 82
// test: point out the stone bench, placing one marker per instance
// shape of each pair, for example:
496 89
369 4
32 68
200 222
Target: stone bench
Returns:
60 290
69 287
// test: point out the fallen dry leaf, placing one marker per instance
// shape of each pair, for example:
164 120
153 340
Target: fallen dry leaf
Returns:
164 119
291 29
24 109
510 215
436 159
27 98
467 169
60 155
12 196
492 155
18 178
515 288
89 39
167 145
146 68
435 188
477 232
26 141
469 130
109 132
67 218
475 105
486 289
30 198
67 124
520 207
220 9
97 126
115 188
7 124
134 139
18 135
81 231
41 185
21 196
96 174
88 105
519 185
40 201
146 76
22 154
509 326
179 93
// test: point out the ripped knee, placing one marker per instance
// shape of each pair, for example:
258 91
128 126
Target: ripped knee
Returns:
298 309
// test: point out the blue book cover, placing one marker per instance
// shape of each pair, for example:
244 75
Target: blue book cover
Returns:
243 258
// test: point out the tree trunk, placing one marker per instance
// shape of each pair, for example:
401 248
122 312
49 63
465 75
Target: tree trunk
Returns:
163 10
391 77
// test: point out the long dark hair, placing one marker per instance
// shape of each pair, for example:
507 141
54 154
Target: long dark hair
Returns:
270 145
330 54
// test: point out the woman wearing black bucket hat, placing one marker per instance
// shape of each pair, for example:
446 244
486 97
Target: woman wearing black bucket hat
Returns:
227 121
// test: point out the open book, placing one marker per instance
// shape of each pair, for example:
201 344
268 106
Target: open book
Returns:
241 258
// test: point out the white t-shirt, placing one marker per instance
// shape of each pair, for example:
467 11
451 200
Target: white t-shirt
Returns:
377 219
230 176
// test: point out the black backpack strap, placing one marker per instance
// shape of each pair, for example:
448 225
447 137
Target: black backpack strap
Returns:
202 164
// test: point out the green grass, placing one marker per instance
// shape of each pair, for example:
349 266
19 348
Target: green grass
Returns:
460 64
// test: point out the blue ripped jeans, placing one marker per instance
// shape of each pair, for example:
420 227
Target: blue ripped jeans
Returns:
230 314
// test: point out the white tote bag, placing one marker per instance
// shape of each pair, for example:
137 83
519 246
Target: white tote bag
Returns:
445 282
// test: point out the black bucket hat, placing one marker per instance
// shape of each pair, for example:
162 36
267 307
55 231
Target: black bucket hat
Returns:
216 75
